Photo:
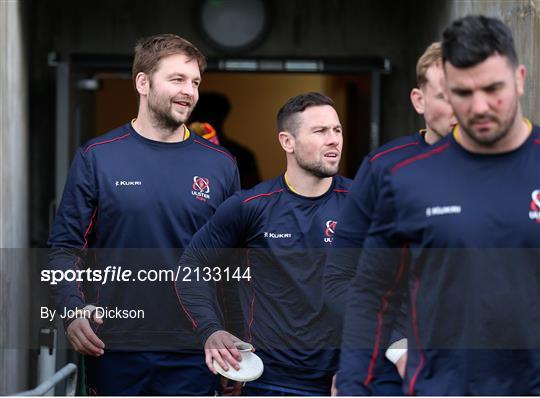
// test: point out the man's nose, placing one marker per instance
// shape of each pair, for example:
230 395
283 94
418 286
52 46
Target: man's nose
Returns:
480 104
333 138
188 89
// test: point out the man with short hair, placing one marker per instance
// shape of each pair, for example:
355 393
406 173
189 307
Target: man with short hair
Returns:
473 326
429 100
149 184
284 227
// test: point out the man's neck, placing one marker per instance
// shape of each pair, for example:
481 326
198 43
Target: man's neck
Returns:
145 126
431 137
306 184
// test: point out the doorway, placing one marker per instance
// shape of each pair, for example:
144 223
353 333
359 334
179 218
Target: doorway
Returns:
255 99
96 94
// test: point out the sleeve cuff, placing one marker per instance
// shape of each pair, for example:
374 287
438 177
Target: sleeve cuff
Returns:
208 332
86 312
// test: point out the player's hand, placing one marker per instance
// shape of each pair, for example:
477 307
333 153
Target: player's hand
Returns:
220 347
83 338
333 389
230 390
401 364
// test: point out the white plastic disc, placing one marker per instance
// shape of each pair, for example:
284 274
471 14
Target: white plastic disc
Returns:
251 366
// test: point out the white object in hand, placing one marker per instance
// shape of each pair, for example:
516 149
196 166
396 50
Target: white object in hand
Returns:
251 366
396 351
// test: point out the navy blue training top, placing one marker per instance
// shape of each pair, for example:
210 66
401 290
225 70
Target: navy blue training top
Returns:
127 192
358 210
472 223
285 237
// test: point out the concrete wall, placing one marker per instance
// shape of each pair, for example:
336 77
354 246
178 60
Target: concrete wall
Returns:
14 280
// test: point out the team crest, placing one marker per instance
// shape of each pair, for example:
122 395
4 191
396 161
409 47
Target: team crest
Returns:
201 188
534 213
329 231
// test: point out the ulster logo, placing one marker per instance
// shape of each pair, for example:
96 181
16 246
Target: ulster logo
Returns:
201 188
329 231
534 213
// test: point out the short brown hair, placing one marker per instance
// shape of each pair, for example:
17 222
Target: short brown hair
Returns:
287 117
432 56
150 50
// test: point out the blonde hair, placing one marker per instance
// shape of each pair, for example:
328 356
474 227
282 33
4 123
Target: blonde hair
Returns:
432 56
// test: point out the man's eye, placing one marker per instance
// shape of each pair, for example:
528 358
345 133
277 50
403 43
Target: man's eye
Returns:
462 93
493 89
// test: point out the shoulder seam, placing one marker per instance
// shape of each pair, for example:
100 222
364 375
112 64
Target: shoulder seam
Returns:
419 157
389 150
106 142
262 194
216 149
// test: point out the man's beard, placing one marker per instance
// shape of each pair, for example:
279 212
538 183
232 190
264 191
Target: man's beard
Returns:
317 168
161 112
492 140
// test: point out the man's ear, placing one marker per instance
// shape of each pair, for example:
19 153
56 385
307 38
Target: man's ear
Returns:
417 99
286 140
142 83
521 72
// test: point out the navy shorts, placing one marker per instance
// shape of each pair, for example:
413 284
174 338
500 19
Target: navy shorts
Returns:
149 373
264 389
